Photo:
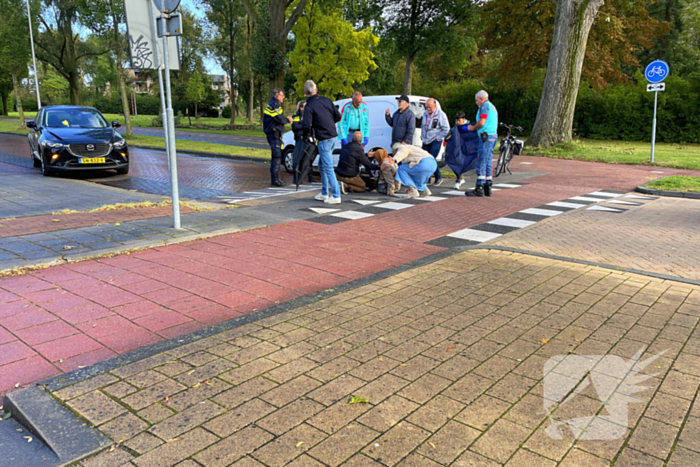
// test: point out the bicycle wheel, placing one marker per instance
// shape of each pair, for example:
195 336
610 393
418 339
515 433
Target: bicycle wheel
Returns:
509 157
501 161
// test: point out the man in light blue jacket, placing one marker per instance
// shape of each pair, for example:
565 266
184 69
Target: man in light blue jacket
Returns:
355 117
434 129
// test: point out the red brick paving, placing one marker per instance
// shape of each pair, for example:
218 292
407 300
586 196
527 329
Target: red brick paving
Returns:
63 317
46 223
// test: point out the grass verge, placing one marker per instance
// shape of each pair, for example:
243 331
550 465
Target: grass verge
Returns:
678 156
680 183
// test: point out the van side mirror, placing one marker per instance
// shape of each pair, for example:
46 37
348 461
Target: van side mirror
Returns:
31 124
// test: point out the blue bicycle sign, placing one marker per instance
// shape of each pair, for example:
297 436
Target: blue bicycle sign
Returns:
656 71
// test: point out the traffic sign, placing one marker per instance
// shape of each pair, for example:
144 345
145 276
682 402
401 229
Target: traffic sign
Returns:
167 6
656 87
656 71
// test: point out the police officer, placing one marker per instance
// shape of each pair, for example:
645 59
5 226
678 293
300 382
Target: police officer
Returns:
486 127
273 127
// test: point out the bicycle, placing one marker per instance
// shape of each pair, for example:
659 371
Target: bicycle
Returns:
509 147
657 71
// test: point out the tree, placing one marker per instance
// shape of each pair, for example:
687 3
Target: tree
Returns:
689 39
14 47
59 45
329 51
103 17
227 17
555 117
428 26
270 18
195 91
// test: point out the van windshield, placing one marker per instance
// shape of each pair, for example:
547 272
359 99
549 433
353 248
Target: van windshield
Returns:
418 108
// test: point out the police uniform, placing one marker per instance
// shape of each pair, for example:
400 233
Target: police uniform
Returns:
273 127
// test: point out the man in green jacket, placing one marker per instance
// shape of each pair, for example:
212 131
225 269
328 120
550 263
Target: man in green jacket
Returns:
355 117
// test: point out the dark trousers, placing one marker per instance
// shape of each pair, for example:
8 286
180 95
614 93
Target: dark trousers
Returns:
358 184
275 156
296 157
434 150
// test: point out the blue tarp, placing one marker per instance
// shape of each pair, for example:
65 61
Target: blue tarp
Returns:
461 151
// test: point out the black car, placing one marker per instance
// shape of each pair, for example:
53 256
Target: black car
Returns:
71 137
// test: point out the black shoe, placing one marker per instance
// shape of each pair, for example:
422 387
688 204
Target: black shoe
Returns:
478 191
277 183
312 180
487 189
438 182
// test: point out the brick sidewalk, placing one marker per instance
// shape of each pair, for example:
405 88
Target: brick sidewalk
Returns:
451 358
661 235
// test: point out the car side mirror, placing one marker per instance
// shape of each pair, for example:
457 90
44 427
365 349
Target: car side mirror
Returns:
116 124
31 124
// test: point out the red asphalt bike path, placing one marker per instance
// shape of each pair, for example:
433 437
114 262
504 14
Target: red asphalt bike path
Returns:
65 317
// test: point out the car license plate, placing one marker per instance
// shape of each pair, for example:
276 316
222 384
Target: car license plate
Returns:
92 160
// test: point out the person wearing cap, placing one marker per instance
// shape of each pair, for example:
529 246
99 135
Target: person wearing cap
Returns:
403 122
486 127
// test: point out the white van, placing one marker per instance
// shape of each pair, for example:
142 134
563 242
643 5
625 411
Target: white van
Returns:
379 130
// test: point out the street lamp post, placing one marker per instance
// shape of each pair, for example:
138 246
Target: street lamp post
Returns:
31 40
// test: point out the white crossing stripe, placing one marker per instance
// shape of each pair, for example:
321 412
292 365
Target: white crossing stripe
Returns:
639 197
562 204
474 235
619 201
583 198
352 215
453 193
541 212
507 185
365 202
430 198
393 206
323 210
603 193
603 208
508 222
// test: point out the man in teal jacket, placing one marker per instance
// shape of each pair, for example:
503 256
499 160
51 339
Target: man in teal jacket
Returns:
355 117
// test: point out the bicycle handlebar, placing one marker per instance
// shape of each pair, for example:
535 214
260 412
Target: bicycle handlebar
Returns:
511 127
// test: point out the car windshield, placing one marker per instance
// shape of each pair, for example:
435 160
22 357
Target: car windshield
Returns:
75 118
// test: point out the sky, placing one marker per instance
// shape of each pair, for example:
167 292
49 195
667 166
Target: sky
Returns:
212 65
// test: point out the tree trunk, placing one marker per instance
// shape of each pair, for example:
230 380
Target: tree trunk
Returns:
74 87
278 40
15 89
408 75
555 117
120 75
251 97
196 114
3 97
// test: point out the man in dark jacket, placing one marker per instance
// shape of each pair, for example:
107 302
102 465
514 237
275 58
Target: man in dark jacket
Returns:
273 127
403 122
321 115
348 171
299 143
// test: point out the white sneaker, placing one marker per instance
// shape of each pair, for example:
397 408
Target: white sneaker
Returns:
458 184
332 200
321 197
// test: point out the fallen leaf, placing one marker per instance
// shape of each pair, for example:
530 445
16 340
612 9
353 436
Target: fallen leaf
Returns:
358 400
55 220
20 430
28 438
403 364
431 444
112 448
171 440
118 223
165 400
190 372
81 366
196 385
544 341
450 348
209 383
7 415
17 385
300 443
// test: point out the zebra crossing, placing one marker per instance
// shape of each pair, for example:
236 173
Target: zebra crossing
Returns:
266 193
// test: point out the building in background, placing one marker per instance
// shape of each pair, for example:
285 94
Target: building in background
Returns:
221 85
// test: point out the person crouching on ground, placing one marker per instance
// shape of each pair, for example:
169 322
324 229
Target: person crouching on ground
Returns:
387 170
298 129
348 171
416 169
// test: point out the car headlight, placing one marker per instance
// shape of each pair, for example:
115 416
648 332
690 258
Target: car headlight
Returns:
119 144
54 145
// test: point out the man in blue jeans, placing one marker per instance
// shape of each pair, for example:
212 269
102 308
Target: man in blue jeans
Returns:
320 116
486 127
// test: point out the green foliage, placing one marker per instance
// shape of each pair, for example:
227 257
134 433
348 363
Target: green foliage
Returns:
329 51
681 183
226 112
195 88
146 104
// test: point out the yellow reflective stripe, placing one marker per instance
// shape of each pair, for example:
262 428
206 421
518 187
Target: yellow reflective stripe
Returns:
272 112
296 119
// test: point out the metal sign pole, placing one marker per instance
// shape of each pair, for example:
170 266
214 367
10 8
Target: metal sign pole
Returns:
159 64
31 41
653 127
171 133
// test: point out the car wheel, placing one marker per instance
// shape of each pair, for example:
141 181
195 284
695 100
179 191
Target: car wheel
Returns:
44 171
287 159
123 171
